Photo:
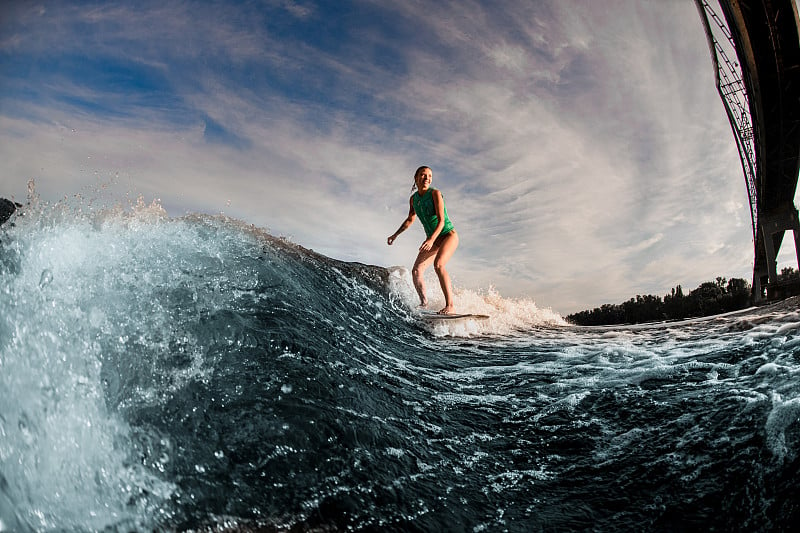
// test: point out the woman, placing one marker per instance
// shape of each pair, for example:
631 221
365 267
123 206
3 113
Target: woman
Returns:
427 203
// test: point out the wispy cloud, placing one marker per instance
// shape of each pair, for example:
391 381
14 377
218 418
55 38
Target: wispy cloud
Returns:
582 149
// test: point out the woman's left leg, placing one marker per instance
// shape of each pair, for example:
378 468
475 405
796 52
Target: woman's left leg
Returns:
446 247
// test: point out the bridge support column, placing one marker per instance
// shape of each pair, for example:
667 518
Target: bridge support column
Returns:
777 224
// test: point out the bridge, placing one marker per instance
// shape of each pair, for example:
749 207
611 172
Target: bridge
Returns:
761 92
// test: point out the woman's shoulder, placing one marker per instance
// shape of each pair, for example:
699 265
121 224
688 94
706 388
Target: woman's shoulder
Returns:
430 193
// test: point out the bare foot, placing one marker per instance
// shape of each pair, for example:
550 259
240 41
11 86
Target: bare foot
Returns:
446 310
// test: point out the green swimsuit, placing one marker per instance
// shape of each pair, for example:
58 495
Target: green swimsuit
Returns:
426 211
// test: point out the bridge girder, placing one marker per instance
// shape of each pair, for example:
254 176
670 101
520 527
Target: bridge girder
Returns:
766 37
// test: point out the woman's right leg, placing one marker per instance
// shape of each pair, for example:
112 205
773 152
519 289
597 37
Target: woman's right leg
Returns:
424 260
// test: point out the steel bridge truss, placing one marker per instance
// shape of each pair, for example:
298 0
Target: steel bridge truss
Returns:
732 91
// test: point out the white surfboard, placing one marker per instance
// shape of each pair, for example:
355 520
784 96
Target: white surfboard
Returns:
458 316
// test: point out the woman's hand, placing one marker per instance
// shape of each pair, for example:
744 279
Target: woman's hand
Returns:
427 245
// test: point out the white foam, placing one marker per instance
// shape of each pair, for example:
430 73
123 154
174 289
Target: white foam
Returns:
506 315
784 414
63 451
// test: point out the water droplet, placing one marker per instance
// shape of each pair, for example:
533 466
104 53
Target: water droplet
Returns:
46 278
200 469
96 317
25 429
286 388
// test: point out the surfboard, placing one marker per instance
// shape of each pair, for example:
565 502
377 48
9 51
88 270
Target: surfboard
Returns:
459 316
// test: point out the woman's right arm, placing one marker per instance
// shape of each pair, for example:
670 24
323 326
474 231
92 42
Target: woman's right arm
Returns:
406 223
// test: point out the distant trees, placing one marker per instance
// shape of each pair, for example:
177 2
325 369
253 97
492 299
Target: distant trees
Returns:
710 298
788 274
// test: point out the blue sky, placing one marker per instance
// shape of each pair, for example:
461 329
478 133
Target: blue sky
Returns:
581 146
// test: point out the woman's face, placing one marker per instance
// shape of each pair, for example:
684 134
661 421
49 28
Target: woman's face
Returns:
423 178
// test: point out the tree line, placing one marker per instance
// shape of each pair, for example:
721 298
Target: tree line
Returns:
710 298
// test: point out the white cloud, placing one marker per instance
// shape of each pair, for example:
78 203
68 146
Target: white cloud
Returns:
582 150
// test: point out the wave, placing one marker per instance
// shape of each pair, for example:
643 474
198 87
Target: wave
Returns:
115 320
198 373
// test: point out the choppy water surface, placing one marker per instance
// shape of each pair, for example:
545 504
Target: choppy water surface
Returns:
199 374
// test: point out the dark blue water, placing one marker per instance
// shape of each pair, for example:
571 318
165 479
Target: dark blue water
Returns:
198 374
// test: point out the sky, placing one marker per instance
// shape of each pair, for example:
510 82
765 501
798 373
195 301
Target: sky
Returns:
581 146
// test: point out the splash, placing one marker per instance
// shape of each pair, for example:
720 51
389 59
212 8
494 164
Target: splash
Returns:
64 453
507 315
